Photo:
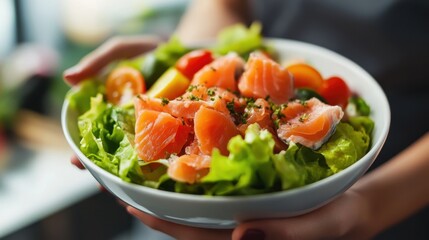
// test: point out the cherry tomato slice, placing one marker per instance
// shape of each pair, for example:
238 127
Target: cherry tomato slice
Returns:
123 83
193 61
305 76
335 91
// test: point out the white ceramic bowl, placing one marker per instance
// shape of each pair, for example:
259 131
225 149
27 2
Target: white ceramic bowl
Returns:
225 212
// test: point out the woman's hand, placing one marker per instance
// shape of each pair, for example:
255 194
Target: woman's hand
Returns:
75 161
344 218
178 231
114 49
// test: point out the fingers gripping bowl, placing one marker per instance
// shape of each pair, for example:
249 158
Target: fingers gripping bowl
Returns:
226 211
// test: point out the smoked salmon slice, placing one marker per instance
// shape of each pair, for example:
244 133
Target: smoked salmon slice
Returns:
213 129
309 123
222 72
189 168
265 78
158 135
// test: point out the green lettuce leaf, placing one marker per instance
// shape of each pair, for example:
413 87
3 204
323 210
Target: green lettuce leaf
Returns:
252 167
79 98
345 146
154 64
358 107
240 39
299 166
171 51
362 124
290 172
247 170
105 143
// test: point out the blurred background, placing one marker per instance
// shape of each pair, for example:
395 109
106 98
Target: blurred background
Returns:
41 195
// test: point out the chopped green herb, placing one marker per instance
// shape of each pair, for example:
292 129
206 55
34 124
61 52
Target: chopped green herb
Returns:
191 88
304 117
249 100
277 110
230 106
277 123
250 103
164 101
192 97
244 117
211 92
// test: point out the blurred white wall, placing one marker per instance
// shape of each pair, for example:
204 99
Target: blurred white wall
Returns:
7 27
40 21
91 21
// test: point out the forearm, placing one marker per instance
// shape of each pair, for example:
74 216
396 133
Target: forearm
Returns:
399 188
205 18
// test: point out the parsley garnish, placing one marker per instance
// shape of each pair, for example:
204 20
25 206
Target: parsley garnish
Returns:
230 107
277 110
211 92
304 117
277 123
164 101
192 97
191 88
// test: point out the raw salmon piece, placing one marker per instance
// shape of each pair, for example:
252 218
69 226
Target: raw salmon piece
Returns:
189 168
196 92
178 108
201 92
213 129
265 78
158 135
309 123
213 97
260 112
228 103
192 147
222 72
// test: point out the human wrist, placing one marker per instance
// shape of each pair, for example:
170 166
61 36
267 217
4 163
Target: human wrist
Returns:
366 225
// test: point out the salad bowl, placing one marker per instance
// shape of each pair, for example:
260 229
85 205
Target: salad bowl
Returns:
224 212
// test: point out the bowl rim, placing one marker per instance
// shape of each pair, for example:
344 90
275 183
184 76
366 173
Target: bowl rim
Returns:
375 148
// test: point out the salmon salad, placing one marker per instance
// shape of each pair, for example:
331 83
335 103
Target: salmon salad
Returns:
222 120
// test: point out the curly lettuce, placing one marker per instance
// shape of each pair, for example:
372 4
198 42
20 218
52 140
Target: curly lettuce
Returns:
104 141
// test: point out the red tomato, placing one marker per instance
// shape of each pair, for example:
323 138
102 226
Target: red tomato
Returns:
123 83
305 76
335 91
193 61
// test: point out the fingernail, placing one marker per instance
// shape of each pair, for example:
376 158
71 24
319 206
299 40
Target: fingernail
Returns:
253 234
71 75
121 203
72 71
103 189
130 210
